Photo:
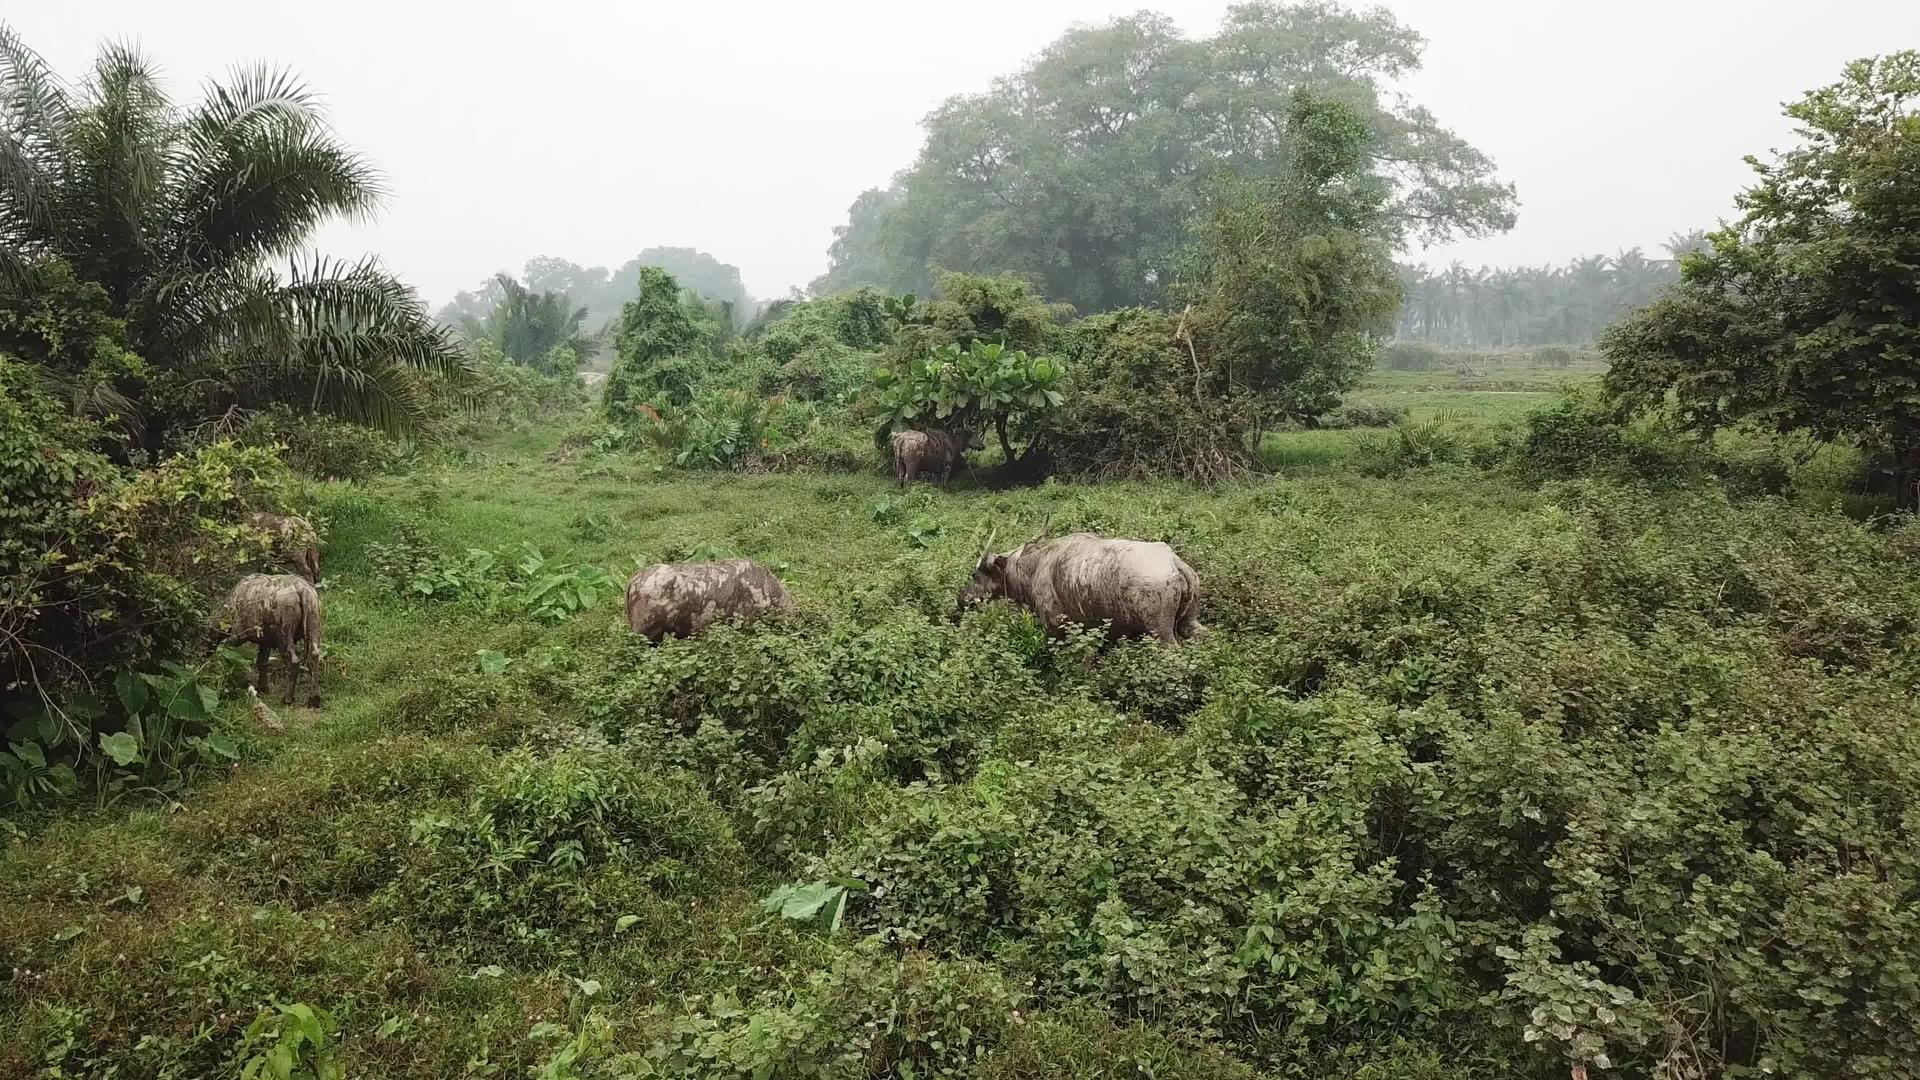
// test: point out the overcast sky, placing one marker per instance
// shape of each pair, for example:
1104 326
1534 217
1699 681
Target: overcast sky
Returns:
592 130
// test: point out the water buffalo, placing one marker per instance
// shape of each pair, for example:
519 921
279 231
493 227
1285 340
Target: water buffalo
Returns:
1134 586
916 452
293 540
682 598
277 611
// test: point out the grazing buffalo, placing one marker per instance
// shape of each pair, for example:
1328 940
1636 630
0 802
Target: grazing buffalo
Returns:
682 598
916 452
278 611
1134 586
293 540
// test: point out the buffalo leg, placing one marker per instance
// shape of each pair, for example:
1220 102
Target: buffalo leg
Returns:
262 653
292 653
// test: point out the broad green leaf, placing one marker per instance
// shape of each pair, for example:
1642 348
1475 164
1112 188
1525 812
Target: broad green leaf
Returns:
132 690
30 753
123 748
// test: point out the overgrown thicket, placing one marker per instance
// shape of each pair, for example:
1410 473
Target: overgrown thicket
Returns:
1288 286
1490 782
1804 315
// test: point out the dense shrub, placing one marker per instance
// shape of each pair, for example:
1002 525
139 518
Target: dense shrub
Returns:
1413 356
1132 408
320 446
1356 414
550 853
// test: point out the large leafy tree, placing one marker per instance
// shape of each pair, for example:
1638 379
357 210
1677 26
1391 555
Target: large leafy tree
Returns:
1289 283
1805 313
180 214
1088 167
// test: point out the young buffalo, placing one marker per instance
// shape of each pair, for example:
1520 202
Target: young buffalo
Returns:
916 452
1135 587
278 611
681 599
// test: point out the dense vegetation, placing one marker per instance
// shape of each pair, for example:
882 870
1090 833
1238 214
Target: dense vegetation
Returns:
1548 721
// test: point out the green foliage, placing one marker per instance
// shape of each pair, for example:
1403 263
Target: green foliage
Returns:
319 446
1412 445
1085 167
548 589
961 390
1132 408
1358 414
1802 314
654 332
1289 285
1469 778
541 330
497 390
174 213
550 853
296 1043
104 568
1412 356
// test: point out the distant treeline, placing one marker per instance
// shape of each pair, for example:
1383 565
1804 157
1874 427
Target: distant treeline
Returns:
601 291
1492 307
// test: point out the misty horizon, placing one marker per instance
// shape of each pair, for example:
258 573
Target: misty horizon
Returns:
611 131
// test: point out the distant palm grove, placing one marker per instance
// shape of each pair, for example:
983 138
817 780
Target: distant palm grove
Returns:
1493 307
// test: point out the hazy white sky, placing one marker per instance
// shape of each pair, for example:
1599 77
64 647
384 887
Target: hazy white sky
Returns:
592 130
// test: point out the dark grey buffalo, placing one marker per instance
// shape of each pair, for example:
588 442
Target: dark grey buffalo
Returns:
277 611
1134 586
681 599
931 452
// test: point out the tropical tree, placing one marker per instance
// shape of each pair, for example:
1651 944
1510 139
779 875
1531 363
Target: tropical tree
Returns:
1805 313
1087 168
532 328
180 214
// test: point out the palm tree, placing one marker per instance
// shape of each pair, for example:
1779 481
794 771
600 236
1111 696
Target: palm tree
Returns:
178 214
1685 243
527 326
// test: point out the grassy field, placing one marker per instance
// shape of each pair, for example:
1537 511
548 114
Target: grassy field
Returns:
1487 397
1437 717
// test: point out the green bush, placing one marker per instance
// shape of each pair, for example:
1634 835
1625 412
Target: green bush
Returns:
550 854
320 446
1414 356
1356 414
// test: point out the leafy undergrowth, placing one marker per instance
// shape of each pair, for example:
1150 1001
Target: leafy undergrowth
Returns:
1467 780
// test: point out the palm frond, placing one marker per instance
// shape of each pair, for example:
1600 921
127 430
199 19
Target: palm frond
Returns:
36 114
119 139
257 169
348 339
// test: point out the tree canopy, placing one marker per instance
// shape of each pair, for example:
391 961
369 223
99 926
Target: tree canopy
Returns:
1805 313
1087 168
175 216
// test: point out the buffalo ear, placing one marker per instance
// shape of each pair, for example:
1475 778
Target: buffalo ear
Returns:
1000 563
